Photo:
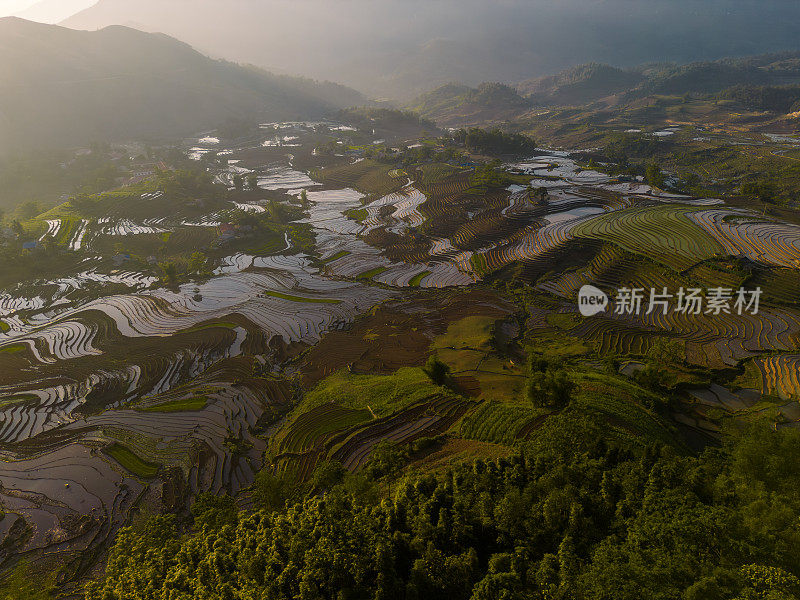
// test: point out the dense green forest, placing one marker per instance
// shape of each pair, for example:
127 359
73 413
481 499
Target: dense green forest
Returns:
571 514
494 142
780 99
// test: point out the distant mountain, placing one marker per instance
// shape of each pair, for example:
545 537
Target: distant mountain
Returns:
769 82
65 87
592 82
459 105
715 76
399 49
580 84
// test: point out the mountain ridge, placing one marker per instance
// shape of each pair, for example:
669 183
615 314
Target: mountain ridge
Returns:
387 50
69 87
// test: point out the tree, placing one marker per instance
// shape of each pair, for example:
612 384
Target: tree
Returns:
764 191
326 475
238 182
551 389
436 370
654 176
214 511
197 262
494 142
718 525
652 376
691 180
252 181
386 459
276 212
548 383
540 194
271 490
170 270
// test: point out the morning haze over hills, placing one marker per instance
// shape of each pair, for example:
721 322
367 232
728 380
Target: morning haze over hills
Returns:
68 87
400 48
98 81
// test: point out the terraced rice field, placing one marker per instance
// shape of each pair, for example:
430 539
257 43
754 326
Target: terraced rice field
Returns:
663 233
768 242
348 436
780 375
111 381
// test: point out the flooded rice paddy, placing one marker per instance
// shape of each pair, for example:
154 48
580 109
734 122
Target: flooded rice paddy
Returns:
150 369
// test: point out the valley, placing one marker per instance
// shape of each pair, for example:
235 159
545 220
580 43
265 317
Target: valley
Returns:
499 322
274 304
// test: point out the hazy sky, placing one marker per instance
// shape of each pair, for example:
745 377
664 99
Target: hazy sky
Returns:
398 48
45 11
9 7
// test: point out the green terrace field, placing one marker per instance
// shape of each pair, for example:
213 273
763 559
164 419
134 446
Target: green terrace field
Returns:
292 298
346 415
662 233
185 404
132 462
367 176
379 394
501 423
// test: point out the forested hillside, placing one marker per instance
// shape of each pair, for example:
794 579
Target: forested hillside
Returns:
455 104
582 83
591 82
568 516
64 87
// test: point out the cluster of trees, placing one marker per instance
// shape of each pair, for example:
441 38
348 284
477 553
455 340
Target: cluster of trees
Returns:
571 515
368 118
698 77
621 147
181 269
436 370
654 175
779 99
426 153
251 180
494 142
496 95
765 191
443 152
488 177
548 384
187 184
